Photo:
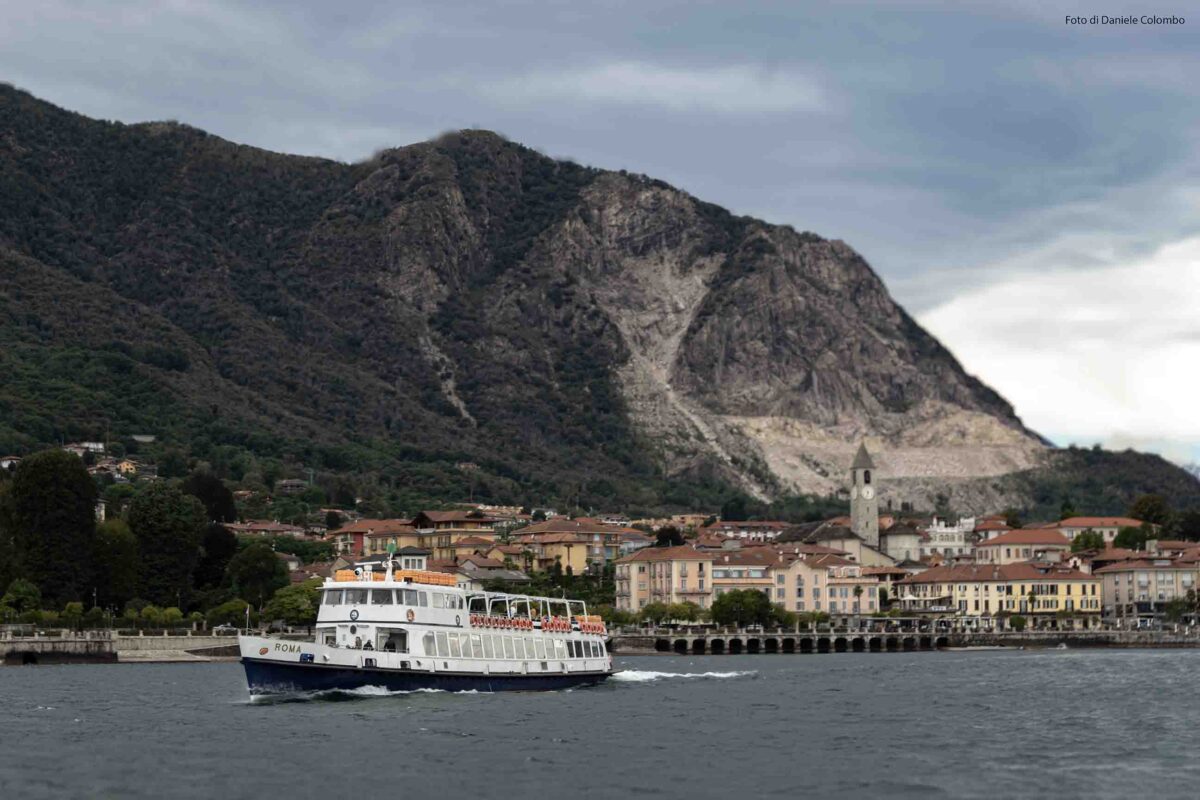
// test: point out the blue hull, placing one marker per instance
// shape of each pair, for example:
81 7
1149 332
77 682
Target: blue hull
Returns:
273 677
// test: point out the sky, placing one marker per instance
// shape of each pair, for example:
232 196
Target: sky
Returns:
1027 188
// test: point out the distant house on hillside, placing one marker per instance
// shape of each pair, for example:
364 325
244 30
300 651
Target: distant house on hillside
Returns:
289 486
9 462
265 527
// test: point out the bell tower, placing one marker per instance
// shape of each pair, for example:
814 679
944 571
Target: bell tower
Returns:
864 498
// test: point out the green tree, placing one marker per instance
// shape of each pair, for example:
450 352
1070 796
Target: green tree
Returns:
1131 538
21 596
683 612
1017 622
333 520
172 463
736 508
742 607
214 494
72 615
295 605
1012 517
169 526
1188 523
218 546
151 616
54 524
8 564
655 613
1067 509
668 536
116 562
257 573
1087 540
172 617
1152 508
232 612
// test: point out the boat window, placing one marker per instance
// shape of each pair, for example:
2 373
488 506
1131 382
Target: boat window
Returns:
443 649
508 647
408 597
427 644
603 650
488 650
423 598
529 651
396 642
381 597
333 597
356 597
541 649
560 648
476 646
455 647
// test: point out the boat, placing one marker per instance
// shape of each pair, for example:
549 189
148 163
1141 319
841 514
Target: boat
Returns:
413 629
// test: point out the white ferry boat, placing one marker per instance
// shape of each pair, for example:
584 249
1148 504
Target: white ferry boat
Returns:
411 629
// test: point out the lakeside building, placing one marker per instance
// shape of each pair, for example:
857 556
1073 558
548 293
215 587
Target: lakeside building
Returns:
743 568
439 530
901 541
949 540
544 551
1014 546
990 527
824 582
369 537
1046 593
664 575
1108 527
601 540
1143 587
746 530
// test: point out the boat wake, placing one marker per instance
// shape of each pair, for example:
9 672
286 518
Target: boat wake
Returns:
335 695
645 676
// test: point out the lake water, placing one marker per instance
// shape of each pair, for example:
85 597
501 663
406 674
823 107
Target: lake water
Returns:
1075 723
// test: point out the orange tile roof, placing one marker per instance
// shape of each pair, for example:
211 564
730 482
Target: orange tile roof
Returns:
1149 563
974 573
473 541
376 526
1099 522
1043 536
682 552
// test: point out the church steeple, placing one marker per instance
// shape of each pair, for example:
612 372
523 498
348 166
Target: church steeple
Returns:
864 500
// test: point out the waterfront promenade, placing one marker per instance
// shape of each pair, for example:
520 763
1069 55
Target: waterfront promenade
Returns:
107 646
743 642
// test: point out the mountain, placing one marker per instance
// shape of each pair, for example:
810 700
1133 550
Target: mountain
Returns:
570 332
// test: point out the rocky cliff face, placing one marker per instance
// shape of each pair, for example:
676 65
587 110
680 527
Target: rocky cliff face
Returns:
569 329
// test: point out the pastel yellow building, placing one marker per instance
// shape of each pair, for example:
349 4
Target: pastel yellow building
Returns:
1040 592
825 583
664 575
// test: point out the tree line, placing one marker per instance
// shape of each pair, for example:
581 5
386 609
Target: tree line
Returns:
166 557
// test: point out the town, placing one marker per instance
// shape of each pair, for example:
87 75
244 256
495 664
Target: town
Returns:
986 573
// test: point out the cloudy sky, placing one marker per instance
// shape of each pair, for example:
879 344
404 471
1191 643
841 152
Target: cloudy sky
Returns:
1026 187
